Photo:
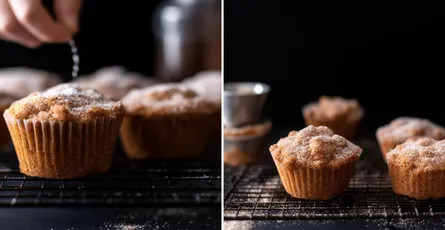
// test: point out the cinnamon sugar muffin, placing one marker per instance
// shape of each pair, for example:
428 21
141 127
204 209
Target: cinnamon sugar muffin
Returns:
115 82
315 163
5 101
417 168
165 121
64 132
341 115
20 82
245 145
208 84
405 128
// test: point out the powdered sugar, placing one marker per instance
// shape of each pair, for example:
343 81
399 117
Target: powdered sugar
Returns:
115 82
331 108
21 81
315 147
65 102
166 98
404 128
206 84
424 154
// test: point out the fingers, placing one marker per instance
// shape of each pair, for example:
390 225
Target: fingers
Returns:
67 13
35 18
12 30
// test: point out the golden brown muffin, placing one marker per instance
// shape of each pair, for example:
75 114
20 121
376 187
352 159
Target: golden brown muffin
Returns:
405 128
115 82
20 82
165 121
208 85
315 163
245 145
341 115
417 168
5 101
64 132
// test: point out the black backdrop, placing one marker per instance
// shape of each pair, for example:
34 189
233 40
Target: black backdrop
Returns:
387 55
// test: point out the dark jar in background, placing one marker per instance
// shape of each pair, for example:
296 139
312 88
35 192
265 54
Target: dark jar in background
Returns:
188 38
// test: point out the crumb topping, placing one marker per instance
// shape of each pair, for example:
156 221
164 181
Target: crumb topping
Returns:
315 147
404 128
333 108
423 154
207 84
165 99
65 102
114 82
20 82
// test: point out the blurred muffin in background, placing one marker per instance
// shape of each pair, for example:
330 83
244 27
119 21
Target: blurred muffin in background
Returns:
167 121
22 81
341 115
208 85
6 100
115 82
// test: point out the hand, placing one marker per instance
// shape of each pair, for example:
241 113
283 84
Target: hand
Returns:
28 22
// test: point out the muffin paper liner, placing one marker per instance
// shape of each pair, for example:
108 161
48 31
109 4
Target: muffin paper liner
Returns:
165 137
418 185
4 134
315 184
385 146
63 150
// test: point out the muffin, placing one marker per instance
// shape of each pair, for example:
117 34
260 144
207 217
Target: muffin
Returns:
115 82
165 121
65 132
315 163
208 84
341 115
245 145
5 101
20 82
405 128
417 168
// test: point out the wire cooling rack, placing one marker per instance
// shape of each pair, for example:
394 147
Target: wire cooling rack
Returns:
160 183
256 192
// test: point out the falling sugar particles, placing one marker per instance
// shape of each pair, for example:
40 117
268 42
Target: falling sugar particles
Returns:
75 57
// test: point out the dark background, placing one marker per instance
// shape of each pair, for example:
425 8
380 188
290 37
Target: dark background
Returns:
386 54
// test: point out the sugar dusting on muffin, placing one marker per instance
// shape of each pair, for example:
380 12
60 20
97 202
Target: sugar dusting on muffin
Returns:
166 99
404 128
20 82
423 154
65 102
115 82
315 147
331 108
206 84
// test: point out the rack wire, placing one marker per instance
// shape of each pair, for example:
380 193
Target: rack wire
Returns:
255 192
136 183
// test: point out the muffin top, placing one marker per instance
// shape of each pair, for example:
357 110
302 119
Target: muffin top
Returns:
315 147
404 128
333 108
207 84
114 82
166 99
423 154
65 102
20 82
